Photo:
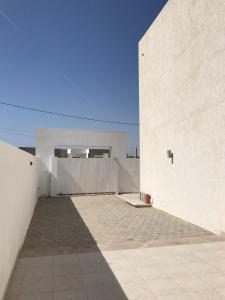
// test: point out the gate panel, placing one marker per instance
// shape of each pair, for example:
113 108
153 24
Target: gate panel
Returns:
82 175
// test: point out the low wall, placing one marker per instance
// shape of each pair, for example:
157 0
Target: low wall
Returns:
18 186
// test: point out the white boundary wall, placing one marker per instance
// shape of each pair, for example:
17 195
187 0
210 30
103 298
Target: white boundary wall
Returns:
18 186
182 108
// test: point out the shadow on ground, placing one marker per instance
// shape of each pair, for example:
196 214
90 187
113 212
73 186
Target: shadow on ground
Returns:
60 258
62 254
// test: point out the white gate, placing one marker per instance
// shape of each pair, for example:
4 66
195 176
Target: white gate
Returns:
84 175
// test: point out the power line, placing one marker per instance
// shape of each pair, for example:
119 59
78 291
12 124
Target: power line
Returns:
66 115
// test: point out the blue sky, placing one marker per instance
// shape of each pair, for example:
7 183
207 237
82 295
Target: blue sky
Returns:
75 57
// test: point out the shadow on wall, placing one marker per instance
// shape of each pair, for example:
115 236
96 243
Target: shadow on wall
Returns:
66 184
57 228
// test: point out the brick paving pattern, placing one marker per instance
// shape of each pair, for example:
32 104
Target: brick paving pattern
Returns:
63 256
85 223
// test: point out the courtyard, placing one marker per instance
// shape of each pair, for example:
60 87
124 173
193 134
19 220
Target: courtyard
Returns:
100 247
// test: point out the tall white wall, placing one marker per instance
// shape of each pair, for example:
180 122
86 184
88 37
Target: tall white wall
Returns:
18 186
182 108
47 139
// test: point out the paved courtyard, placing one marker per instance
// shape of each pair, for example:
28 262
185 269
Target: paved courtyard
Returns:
67 225
100 248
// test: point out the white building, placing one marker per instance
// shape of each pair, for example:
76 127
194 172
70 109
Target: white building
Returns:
47 140
182 109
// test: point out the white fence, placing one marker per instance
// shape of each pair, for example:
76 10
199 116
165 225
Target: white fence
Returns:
94 175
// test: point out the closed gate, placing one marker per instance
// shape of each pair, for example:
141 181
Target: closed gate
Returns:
84 175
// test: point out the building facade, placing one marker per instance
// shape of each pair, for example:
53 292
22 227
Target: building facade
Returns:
49 140
182 111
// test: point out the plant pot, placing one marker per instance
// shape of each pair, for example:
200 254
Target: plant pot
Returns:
147 199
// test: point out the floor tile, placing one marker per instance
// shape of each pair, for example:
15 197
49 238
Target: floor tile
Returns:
161 287
42 261
156 250
192 283
207 295
63 259
222 291
165 259
177 270
215 280
138 291
18 273
206 256
91 256
151 273
21 262
214 246
32 285
185 249
14 288
187 258
12 297
71 294
35 296
94 266
124 275
68 282
106 294
182 296
38 272
66 269
201 267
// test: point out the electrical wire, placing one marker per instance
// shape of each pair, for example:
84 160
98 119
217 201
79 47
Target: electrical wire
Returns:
66 115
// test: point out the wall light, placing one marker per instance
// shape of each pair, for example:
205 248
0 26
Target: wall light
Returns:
170 155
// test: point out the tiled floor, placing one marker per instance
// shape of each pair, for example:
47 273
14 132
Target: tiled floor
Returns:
183 272
64 254
88 223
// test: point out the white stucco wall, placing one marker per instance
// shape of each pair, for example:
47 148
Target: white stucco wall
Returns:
129 175
182 108
47 139
18 186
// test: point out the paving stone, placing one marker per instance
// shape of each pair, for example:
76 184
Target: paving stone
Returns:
64 226
71 294
36 296
69 282
38 285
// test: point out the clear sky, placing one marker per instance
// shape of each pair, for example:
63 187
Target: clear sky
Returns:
71 56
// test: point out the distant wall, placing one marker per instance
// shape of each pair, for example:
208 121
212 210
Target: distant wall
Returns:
18 186
48 139
182 108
